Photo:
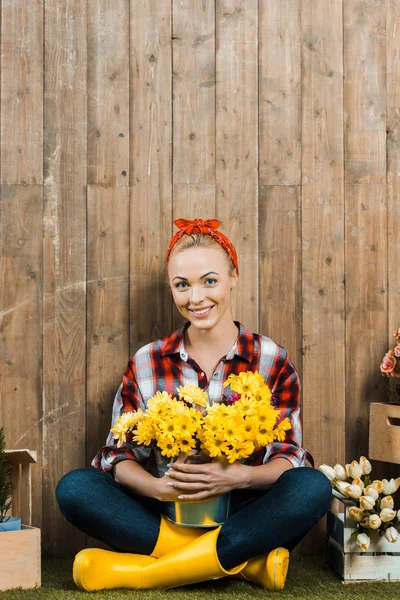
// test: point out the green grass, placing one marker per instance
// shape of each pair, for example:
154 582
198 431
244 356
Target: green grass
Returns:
308 579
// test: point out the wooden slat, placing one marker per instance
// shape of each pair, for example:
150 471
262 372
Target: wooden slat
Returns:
280 93
280 268
364 91
151 170
237 145
21 264
323 232
366 307
192 202
22 91
107 307
108 92
64 262
194 91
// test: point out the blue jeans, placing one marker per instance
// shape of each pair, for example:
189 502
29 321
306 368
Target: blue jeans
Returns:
260 520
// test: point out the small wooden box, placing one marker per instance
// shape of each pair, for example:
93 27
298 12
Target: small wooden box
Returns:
381 562
384 432
20 558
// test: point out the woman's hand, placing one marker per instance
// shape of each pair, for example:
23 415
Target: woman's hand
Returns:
199 482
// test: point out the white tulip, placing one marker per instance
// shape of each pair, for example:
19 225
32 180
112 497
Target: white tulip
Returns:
378 485
388 487
397 484
365 522
387 514
356 513
355 470
391 534
342 486
365 465
363 541
359 482
340 472
374 521
328 471
347 469
371 491
354 491
387 502
398 515
367 502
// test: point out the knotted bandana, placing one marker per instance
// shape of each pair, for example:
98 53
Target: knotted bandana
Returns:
207 227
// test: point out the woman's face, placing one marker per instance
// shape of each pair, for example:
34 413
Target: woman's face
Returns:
201 285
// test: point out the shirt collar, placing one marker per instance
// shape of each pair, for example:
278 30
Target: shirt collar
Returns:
243 347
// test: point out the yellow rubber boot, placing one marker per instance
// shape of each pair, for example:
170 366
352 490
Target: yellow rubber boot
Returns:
173 536
268 570
96 569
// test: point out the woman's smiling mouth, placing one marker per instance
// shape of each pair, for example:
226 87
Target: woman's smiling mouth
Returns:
201 312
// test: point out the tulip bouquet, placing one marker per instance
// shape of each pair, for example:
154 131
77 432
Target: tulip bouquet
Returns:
233 428
390 367
373 501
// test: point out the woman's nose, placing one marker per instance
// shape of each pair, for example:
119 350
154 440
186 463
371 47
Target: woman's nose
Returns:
196 294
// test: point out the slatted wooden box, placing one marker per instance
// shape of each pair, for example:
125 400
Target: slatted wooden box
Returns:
384 424
20 556
381 562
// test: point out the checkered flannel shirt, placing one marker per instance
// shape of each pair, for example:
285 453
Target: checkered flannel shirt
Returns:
165 365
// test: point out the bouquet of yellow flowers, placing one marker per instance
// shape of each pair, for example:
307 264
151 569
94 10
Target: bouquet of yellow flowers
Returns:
373 508
233 428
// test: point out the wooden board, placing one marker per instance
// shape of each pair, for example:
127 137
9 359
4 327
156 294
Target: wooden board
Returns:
323 232
108 92
384 433
64 424
364 91
151 170
22 91
237 145
366 307
193 67
20 559
279 93
280 268
107 307
21 264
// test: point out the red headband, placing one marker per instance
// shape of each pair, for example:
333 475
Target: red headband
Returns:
208 227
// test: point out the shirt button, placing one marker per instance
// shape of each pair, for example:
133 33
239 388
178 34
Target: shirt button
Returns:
215 374
202 373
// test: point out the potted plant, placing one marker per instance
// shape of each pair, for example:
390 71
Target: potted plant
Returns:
384 422
6 489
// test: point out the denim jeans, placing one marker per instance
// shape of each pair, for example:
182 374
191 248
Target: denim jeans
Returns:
260 520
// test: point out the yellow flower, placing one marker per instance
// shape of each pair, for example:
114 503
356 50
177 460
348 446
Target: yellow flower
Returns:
168 447
186 443
281 428
241 450
216 445
145 432
126 423
193 394
246 383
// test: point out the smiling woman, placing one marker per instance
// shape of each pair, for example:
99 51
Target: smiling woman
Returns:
123 501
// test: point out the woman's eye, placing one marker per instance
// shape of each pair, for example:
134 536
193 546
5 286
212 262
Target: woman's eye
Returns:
181 285
211 281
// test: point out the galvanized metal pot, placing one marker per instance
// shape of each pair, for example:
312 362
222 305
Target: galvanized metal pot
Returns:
203 513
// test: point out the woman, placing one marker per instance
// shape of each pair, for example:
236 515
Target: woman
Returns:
121 502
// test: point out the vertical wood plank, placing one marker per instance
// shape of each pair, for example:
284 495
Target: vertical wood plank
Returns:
280 268
151 170
280 93
194 91
364 90
393 163
22 91
108 92
192 202
21 265
366 308
237 145
64 262
323 232
107 307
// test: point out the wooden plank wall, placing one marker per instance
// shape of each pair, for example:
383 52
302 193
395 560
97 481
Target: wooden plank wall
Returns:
279 117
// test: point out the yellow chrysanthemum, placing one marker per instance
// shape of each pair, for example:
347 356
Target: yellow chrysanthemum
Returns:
281 429
145 432
125 424
168 447
216 445
246 383
193 394
241 450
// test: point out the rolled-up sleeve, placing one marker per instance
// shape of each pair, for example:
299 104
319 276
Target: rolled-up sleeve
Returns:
127 399
286 397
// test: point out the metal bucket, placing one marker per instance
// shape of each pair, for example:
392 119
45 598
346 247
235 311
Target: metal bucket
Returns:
203 513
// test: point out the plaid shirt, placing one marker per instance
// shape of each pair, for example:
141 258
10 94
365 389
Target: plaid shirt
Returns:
164 365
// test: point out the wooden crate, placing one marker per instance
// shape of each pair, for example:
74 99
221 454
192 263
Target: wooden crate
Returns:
381 562
20 553
20 558
384 432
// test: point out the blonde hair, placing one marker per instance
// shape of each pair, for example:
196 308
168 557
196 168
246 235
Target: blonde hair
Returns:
200 240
